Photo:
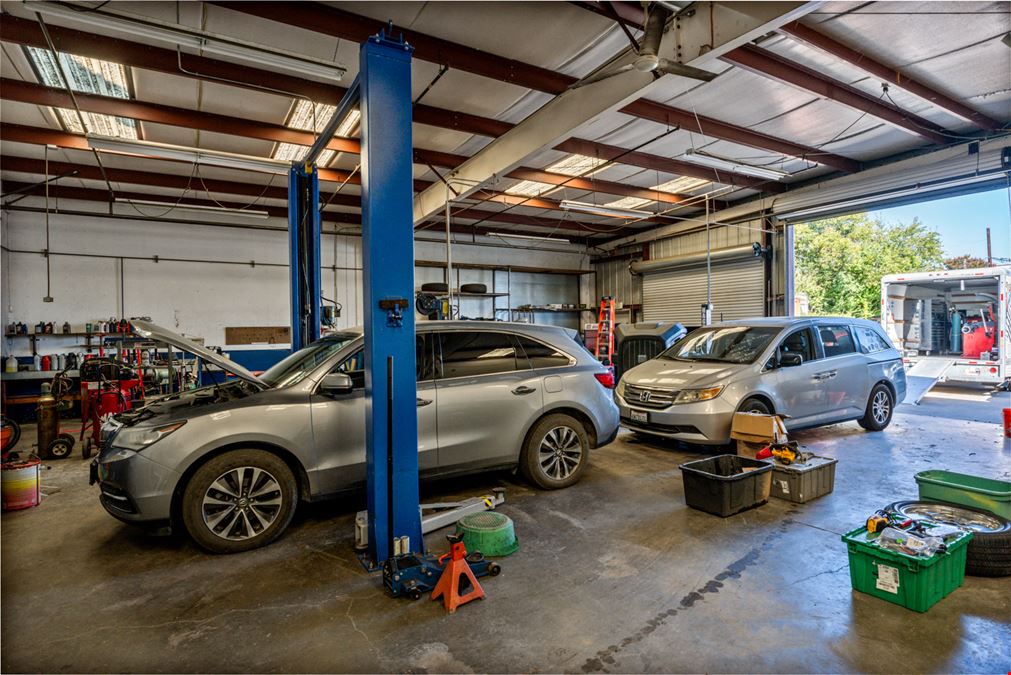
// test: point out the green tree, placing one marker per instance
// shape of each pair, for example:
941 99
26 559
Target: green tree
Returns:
964 262
840 261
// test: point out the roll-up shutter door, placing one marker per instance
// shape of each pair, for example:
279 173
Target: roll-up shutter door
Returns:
678 294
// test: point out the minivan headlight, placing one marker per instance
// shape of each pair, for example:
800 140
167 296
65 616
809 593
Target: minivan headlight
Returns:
138 438
696 395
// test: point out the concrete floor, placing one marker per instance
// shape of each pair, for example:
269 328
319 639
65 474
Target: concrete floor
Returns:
614 575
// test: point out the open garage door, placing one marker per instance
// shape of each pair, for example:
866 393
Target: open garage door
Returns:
678 293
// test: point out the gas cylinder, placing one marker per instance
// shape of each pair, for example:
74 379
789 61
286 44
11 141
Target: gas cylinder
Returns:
49 420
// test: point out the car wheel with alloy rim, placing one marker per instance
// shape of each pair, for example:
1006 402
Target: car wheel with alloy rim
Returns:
880 406
238 501
556 452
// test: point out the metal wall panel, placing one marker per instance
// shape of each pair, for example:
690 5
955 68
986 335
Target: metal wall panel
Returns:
614 279
694 242
678 295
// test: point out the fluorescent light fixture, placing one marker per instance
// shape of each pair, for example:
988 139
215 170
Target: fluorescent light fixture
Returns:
174 34
181 153
511 235
608 211
732 165
249 213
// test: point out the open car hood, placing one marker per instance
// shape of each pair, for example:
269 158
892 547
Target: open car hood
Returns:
150 331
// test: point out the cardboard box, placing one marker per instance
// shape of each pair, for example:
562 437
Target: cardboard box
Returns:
754 431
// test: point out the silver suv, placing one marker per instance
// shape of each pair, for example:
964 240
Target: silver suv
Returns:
230 461
813 370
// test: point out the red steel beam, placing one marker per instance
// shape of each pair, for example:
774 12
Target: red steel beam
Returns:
707 126
349 26
29 92
891 75
198 186
135 55
771 65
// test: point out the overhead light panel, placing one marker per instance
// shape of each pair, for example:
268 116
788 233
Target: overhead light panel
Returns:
181 153
511 235
628 203
174 34
732 165
606 211
292 152
529 188
682 184
248 213
577 165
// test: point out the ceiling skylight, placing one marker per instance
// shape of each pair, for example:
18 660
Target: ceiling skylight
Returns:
628 203
529 188
576 165
308 117
89 76
290 152
683 184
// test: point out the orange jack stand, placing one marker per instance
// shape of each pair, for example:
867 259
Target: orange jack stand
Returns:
454 577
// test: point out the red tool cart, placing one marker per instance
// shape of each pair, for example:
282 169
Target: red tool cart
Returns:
108 387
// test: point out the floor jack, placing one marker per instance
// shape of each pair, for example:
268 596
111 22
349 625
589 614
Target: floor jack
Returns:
413 575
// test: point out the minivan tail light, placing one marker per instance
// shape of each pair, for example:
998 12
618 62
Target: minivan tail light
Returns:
606 378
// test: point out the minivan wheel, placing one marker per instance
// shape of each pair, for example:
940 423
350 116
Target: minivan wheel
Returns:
556 452
755 405
880 407
239 501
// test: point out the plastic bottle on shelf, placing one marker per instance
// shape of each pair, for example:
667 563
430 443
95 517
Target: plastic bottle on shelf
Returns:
36 363
66 327
11 364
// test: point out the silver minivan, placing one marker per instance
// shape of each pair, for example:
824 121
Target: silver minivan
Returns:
230 461
811 370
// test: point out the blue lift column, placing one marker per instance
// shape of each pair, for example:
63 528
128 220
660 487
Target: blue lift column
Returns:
303 252
391 426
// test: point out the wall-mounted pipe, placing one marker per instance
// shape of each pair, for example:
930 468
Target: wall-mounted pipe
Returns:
719 255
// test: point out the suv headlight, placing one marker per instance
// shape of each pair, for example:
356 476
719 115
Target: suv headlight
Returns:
696 395
138 438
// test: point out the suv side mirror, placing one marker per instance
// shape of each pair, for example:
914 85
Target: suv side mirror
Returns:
336 383
790 359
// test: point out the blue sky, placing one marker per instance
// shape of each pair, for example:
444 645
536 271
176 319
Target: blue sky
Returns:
962 222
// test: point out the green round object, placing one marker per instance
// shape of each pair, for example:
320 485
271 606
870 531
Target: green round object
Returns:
489 532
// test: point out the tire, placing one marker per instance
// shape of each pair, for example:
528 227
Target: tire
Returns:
86 449
11 434
473 288
556 452
755 405
214 511
880 408
60 448
68 438
989 552
435 287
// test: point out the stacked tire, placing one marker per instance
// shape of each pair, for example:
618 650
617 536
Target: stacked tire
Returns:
989 551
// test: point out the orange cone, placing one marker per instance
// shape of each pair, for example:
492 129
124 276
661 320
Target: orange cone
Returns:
456 578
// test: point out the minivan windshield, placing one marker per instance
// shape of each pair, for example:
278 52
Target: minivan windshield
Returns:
733 344
293 368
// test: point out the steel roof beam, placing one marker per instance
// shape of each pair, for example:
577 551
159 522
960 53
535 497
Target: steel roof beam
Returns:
349 26
29 92
888 74
767 64
200 185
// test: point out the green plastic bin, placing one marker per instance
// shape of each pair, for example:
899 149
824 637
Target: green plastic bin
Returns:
912 582
987 494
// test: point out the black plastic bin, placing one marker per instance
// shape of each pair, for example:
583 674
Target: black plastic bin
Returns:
726 484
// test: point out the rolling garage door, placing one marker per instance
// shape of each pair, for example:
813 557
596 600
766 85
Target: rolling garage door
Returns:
678 294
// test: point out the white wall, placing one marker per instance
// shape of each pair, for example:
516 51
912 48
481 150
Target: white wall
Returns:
201 298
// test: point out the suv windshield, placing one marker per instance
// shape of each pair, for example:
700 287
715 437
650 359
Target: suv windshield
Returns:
734 344
292 369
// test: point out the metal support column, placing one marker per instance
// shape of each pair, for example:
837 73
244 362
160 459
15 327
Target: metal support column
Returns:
304 254
391 431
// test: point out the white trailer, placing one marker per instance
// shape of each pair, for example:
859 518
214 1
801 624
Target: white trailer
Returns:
951 326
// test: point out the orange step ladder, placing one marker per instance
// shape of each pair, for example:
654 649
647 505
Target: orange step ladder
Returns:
605 331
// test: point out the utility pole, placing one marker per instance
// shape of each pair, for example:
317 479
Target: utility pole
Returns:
989 252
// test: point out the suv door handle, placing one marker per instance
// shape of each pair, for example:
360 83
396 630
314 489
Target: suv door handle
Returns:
422 402
523 390
827 375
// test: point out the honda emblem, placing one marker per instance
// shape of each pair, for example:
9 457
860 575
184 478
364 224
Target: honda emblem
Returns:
644 396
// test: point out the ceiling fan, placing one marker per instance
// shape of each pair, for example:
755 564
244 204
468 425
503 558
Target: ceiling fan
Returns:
647 59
